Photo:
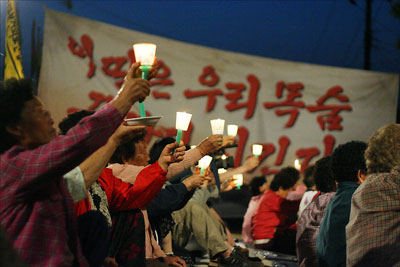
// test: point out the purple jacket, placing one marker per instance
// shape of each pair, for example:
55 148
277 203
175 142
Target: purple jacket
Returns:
307 230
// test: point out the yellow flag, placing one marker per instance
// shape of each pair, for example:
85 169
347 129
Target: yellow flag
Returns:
13 59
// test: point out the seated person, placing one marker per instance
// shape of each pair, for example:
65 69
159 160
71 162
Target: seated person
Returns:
132 157
310 220
36 209
373 231
258 185
171 198
197 220
348 170
273 224
309 182
110 195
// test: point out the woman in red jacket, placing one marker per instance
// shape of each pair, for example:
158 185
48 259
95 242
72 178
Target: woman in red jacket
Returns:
273 225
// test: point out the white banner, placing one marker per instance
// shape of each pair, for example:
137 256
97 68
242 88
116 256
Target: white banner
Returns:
298 111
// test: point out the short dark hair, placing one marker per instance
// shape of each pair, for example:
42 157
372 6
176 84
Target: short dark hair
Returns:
158 147
309 180
73 119
14 93
255 184
286 179
127 150
347 159
323 177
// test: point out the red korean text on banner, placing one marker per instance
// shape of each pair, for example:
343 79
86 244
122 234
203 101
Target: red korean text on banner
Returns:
332 118
162 79
309 153
208 78
293 92
233 97
112 66
284 142
83 50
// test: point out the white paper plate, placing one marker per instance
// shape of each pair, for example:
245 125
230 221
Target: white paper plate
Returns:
147 121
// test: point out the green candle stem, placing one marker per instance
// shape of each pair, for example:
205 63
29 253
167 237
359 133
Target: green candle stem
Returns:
178 136
145 71
142 110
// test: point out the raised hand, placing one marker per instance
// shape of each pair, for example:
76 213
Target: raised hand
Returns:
195 181
251 163
133 90
125 133
167 156
211 144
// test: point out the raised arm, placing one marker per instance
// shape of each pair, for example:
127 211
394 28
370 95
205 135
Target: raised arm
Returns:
207 147
128 173
124 196
175 196
250 164
95 163
65 152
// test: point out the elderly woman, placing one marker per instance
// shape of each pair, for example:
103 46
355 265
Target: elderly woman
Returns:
273 224
373 231
310 220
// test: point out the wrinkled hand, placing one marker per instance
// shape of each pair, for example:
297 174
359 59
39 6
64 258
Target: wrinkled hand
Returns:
209 176
225 187
175 261
195 181
228 140
125 133
211 144
134 88
167 156
251 163
154 70
152 73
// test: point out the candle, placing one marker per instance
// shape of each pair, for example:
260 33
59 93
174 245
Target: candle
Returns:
238 178
217 126
232 130
182 124
221 171
257 150
297 164
204 162
145 54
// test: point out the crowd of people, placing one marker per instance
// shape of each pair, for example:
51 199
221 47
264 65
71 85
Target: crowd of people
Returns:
94 195
350 213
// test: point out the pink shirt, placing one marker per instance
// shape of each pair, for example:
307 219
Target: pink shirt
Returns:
128 173
246 227
153 249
